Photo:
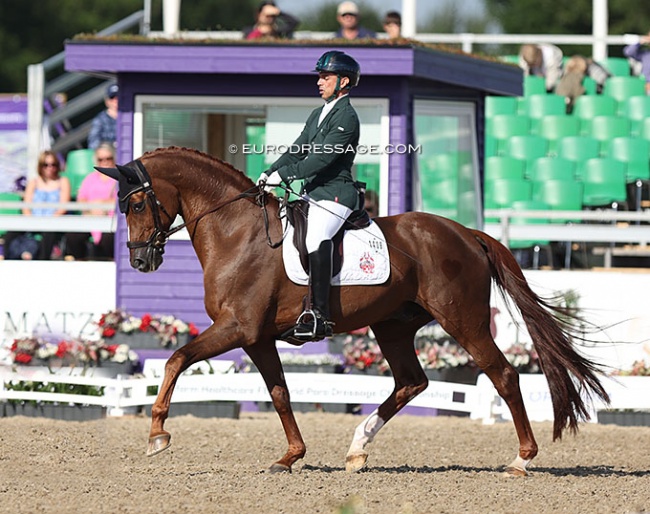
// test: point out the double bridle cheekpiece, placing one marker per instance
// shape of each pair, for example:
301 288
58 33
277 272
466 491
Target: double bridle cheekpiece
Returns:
133 178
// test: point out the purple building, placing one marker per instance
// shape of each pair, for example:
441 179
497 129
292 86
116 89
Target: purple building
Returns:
422 127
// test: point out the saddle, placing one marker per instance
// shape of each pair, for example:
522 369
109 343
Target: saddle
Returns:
297 211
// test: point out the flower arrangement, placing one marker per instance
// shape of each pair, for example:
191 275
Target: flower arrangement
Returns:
361 352
166 328
75 352
523 359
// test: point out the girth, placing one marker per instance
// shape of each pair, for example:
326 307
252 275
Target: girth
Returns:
297 217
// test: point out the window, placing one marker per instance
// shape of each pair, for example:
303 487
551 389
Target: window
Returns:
446 178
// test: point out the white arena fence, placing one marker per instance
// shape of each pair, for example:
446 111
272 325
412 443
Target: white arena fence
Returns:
480 401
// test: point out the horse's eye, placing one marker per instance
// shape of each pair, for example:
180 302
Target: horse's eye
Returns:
137 207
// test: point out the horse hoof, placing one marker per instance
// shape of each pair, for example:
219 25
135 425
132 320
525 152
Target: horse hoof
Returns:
158 444
279 468
356 462
515 472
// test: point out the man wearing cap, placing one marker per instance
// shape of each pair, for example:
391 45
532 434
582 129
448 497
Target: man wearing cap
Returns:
104 126
322 157
347 14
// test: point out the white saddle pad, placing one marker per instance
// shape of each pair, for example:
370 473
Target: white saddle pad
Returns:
365 258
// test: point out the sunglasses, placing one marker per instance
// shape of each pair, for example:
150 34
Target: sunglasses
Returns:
50 165
105 159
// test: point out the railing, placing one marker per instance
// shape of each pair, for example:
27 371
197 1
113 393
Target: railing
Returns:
65 223
39 88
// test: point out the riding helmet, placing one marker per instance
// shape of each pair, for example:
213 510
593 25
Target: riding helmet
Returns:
340 63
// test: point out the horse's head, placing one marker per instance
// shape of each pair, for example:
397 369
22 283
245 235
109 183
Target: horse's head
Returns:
149 213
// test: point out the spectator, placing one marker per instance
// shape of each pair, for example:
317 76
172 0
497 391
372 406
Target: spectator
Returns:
47 187
347 14
271 23
393 25
543 60
640 51
104 126
570 85
95 188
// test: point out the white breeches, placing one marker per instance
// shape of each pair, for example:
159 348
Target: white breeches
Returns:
324 220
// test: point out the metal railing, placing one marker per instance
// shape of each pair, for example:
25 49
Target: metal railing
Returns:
39 88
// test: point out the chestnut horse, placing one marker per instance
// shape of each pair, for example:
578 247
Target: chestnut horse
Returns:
439 270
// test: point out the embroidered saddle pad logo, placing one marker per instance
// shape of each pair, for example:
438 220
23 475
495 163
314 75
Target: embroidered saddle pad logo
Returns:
365 258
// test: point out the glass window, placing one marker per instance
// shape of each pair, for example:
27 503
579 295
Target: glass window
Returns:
446 177
256 129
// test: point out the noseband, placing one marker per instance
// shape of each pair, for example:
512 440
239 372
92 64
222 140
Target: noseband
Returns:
160 236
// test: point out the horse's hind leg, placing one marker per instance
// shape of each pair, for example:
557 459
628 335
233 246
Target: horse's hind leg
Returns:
478 342
265 356
395 339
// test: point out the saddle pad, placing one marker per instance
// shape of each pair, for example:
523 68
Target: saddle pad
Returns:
365 259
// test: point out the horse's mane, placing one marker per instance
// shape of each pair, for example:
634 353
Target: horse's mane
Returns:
239 176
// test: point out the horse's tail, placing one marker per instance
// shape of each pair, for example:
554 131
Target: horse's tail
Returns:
568 373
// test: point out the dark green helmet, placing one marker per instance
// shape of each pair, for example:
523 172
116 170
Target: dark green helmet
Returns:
340 63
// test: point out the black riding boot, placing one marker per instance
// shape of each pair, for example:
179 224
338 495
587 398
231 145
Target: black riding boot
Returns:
320 274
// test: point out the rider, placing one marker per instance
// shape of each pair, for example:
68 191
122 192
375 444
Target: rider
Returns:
322 156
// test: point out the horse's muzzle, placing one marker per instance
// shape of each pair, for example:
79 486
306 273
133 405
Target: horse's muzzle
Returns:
146 259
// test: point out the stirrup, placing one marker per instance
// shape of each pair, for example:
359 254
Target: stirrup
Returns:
309 329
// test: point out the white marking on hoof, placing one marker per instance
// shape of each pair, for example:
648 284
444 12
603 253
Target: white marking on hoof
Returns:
357 462
517 467
363 434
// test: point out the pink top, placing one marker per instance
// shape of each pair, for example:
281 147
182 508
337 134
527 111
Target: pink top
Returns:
97 188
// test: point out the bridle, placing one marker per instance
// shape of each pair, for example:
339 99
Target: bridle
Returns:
159 237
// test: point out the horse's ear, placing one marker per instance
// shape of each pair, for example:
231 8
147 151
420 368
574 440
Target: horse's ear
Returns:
129 174
109 172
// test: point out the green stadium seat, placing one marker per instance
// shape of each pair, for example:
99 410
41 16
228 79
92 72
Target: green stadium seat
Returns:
606 128
622 88
561 195
556 127
587 107
645 129
551 168
368 173
534 85
590 85
498 167
500 105
528 147
604 182
78 164
536 107
635 109
578 149
634 152
503 126
490 147
500 193
617 66
536 244
9 197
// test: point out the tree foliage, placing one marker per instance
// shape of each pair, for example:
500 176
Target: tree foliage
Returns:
576 17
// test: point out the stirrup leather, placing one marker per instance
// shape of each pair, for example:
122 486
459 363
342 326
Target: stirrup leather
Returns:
308 328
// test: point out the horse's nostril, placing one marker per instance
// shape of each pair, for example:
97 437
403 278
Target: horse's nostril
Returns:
138 263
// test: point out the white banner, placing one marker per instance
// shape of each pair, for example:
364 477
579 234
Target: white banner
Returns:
53 297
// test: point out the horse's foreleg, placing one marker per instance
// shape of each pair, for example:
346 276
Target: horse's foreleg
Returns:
265 356
216 340
396 342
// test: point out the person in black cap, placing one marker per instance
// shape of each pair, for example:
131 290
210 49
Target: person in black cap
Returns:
322 157
104 126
